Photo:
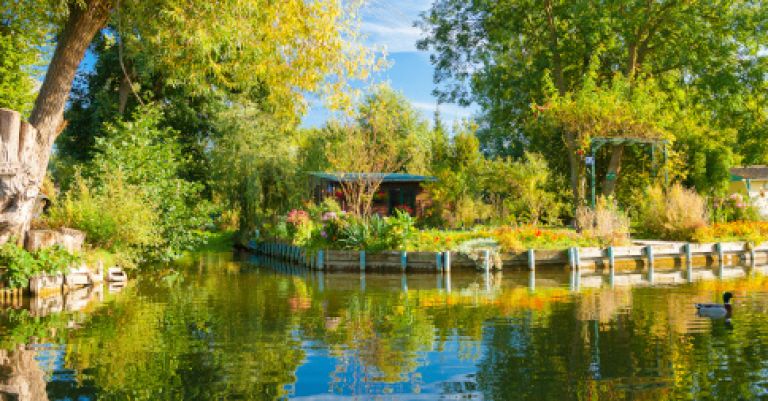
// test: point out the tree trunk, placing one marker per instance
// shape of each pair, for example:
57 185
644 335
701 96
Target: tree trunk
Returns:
123 92
26 147
577 177
614 168
22 377
557 67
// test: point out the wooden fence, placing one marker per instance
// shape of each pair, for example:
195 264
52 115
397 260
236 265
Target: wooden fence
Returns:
643 255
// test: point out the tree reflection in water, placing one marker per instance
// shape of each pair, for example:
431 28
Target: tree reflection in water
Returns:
221 329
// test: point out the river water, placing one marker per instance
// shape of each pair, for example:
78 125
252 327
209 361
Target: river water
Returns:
219 326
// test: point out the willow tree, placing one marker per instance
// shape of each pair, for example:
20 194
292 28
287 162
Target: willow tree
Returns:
279 49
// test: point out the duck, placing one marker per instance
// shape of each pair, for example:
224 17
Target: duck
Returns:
716 311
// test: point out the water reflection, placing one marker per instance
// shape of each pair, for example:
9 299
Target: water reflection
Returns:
218 328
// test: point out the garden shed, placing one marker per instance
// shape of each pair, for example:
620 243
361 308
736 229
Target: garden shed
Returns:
395 191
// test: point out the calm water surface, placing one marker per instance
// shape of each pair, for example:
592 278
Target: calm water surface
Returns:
213 328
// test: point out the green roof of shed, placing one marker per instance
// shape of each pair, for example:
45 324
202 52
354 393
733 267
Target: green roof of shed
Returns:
384 177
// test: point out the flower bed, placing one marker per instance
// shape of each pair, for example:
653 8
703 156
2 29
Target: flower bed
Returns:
334 229
509 238
751 231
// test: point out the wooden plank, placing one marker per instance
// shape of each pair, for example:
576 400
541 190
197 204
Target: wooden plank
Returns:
421 257
334 256
628 251
551 256
514 257
673 250
703 248
733 247
590 253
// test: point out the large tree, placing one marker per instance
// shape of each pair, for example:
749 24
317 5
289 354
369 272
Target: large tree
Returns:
497 54
281 49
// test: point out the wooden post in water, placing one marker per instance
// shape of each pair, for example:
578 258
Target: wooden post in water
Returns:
362 260
611 266
688 263
573 253
486 260
439 261
447 261
320 261
531 259
531 270
448 281
720 255
649 254
403 259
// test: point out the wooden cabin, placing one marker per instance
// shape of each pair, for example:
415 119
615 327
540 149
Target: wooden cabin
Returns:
396 191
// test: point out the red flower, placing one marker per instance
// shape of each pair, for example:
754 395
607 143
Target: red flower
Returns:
538 233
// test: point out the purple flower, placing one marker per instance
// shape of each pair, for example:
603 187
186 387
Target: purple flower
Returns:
329 216
323 234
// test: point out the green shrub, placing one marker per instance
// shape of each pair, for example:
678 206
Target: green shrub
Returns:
674 215
20 264
132 200
734 207
149 159
113 215
334 229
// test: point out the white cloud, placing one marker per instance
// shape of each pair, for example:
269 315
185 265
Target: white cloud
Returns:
392 38
389 24
449 113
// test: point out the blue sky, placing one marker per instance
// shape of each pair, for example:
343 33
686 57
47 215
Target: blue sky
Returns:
388 24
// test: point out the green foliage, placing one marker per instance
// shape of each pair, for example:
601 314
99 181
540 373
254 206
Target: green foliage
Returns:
734 207
392 117
457 164
620 108
21 264
24 29
471 188
326 227
706 99
246 56
256 168
113 214
388 136
133 199
149 158
523 191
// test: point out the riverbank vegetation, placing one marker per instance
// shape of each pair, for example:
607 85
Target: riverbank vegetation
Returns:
168 137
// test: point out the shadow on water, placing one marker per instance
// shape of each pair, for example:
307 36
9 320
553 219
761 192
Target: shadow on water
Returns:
222 327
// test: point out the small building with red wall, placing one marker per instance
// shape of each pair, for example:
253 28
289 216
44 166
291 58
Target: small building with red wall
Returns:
396 191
